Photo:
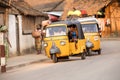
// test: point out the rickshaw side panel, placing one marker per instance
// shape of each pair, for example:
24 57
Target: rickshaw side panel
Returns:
80 47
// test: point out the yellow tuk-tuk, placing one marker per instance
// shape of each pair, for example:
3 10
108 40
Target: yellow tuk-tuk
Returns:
92 35
57 41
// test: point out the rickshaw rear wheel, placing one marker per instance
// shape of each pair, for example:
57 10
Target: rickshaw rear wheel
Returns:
99 51
54 58
89 52
83 55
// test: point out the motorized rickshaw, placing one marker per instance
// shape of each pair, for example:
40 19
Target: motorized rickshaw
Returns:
91 31
57 43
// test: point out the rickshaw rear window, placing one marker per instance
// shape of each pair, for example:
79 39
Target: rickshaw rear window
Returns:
56 31
89 28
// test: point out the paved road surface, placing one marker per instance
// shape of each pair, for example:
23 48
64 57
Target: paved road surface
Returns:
97 67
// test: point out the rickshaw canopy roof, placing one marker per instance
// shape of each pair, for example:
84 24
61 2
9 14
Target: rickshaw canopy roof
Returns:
87 20
68 23
71 22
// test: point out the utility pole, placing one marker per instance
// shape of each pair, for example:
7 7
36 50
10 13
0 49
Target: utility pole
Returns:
2 54
2 36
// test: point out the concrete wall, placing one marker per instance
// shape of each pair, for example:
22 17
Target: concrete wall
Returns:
12 34
26 42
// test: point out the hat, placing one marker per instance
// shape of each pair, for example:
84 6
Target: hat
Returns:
70 13
77 13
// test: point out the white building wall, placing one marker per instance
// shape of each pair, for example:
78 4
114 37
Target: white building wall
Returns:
12 34
26 41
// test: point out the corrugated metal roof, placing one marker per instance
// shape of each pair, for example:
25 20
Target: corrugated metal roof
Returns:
91 6
26 9
4 3
57 5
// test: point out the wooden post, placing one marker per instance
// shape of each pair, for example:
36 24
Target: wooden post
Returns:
3 60
110 20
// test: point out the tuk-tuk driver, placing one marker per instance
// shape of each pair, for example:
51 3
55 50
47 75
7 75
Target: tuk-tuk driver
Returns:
74 34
